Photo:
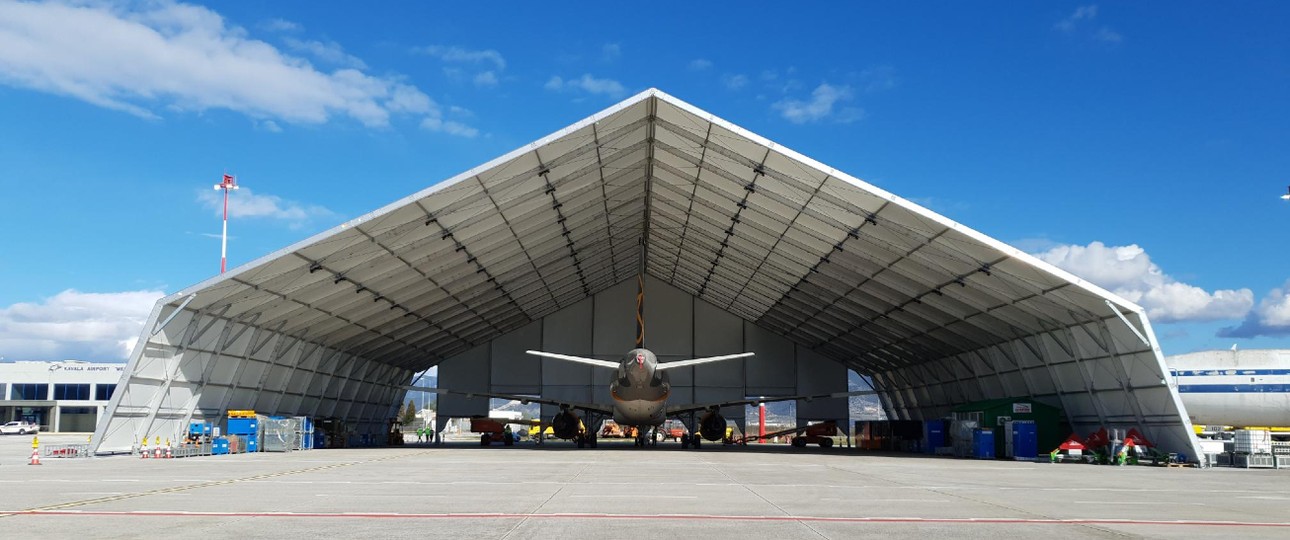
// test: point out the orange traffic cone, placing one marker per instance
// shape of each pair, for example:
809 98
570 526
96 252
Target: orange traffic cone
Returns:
168 454
35 457
156 453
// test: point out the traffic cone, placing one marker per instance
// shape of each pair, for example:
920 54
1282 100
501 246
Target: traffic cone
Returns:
35 456
156 453
168 454
143 450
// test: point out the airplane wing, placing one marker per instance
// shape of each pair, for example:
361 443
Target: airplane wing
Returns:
696 361
522 399
579 359
677 410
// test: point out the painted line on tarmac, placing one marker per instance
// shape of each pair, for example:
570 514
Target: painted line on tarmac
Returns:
189 487
1143 503
936 501
628 517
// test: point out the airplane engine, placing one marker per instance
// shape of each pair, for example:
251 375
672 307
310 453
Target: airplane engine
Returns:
713 426
566 425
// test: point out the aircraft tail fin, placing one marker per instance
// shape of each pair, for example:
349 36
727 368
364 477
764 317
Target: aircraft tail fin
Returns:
697 361
578 359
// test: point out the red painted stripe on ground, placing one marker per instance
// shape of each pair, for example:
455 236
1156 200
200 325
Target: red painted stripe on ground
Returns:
708 517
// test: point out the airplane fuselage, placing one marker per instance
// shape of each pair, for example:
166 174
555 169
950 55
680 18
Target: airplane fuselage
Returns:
639 390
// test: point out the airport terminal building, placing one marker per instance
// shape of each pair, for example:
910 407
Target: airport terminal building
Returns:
66 396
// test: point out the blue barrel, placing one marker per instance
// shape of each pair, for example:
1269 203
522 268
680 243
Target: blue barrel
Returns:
983 443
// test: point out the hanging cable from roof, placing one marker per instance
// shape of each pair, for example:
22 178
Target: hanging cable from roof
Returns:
640 310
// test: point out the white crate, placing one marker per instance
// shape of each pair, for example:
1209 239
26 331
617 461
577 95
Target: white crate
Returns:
1252 441
1253 461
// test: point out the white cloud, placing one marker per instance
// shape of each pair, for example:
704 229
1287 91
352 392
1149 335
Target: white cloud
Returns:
460 55
1081 21
735 81
877 79
1108 35
245 203
329 52
1271 318
699 64
588 84
76 325
486 78
1082 13
611 52
1129 272
449 126
140 57
281 25
822 105
270 126
465 56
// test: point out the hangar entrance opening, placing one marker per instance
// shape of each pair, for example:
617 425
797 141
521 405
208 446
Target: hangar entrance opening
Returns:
819 264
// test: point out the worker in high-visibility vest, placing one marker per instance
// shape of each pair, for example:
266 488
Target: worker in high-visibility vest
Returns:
1052 456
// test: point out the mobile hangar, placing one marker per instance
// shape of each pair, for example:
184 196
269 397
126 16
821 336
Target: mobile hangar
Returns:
745 246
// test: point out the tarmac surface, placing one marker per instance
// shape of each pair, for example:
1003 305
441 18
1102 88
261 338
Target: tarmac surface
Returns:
460 490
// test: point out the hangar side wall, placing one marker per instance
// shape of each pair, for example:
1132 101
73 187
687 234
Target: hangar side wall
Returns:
677 326
1101 374
201 365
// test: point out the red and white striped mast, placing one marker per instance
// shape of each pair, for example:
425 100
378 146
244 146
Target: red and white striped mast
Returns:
229 184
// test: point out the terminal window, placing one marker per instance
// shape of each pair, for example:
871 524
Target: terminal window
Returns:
29 391
103 392
71 391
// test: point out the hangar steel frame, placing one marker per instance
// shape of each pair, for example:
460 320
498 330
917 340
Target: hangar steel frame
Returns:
935 312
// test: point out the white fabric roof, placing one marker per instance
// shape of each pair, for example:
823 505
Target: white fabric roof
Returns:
829 261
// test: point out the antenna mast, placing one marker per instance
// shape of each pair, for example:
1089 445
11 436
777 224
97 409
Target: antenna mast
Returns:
229 184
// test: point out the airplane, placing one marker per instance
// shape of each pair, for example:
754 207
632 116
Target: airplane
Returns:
640 390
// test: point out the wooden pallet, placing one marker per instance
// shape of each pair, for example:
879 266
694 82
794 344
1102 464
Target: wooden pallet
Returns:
1178 465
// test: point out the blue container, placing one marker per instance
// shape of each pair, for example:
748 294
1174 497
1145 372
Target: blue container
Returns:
983 443
320 440
242 426
199 429
1025 440
252 444
933 435
219 446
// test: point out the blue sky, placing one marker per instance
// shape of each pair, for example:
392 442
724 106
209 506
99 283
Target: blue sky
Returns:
1142 146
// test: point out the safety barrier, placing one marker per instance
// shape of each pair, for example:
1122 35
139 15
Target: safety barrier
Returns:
191 450
66 450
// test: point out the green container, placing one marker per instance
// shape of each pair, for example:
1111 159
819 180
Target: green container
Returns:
995 413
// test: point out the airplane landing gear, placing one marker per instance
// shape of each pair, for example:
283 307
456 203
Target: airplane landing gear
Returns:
692 440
